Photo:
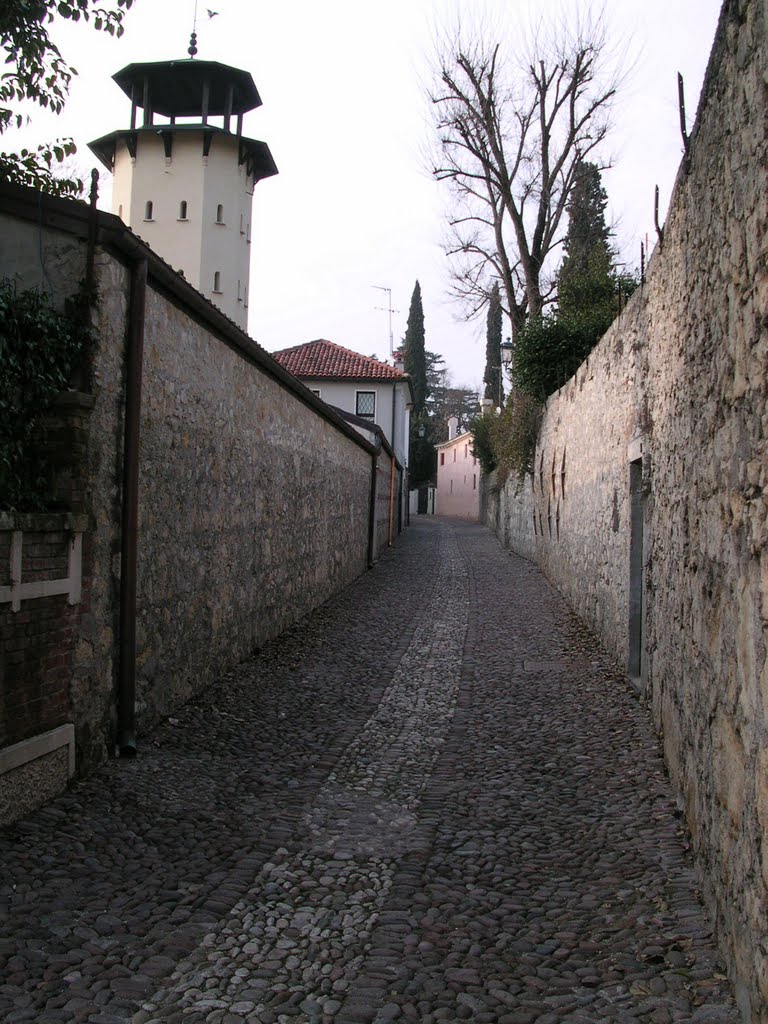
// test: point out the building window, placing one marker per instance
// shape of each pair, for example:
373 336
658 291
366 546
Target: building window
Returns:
248 233
454 454
219 214
183 209
466 451
245 297
148 210
315 391
120 211
451 491
242 231
474 481
442 458
217 282
365 404
239 297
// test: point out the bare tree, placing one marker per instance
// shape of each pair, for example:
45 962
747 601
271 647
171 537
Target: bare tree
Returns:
509 139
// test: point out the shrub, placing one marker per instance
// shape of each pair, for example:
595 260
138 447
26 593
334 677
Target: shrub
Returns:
550 349
507 442
515 433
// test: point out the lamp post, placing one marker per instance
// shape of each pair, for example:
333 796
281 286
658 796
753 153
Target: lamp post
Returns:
505 350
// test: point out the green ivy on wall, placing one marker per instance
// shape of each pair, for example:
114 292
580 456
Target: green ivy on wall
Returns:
40 347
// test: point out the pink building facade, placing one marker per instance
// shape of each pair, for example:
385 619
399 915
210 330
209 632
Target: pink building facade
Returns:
458 477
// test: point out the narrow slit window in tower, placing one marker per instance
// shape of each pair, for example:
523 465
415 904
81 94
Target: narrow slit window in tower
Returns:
183 209
148 210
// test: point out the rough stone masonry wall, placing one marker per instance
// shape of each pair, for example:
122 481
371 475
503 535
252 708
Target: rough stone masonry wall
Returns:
253 509
684 372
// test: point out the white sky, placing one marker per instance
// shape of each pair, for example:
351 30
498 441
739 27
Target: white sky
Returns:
344 113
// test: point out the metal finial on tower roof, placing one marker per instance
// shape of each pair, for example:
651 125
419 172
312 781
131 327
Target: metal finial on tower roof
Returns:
193 38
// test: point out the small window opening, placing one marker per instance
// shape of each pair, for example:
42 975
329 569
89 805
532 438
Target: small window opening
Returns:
219 214
217 281
148 209
120 211
239 297
454 454
183 209
245 297
365 404
242 231
442 458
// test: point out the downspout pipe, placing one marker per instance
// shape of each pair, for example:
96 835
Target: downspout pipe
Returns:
372 510
391 498
126 699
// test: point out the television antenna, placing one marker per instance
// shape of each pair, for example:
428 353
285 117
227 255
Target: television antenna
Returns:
387 309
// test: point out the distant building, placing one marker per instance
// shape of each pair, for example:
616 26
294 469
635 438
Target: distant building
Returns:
185 183
458 476
373 391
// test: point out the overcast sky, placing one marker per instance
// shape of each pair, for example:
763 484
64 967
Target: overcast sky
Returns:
344 113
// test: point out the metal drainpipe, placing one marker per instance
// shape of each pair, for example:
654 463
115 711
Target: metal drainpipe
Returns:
394 403
126 700
372 510
391 497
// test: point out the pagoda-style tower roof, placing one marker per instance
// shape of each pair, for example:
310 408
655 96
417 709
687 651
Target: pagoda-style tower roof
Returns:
185 88
188 88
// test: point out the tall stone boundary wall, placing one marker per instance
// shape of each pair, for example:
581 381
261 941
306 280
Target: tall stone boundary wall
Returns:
648 509
253 509
255 500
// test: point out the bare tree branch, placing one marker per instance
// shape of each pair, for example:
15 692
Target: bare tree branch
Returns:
508 142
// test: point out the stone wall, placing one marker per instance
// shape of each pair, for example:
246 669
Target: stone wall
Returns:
648 508
253 509
255 498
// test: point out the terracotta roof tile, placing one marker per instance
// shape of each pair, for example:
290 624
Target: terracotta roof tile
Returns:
324 359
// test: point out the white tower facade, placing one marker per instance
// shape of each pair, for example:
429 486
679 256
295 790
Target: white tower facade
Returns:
183 180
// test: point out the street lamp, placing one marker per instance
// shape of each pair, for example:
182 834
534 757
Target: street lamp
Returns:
506 353
505 349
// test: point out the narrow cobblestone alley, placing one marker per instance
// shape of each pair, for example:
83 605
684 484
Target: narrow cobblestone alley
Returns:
432 800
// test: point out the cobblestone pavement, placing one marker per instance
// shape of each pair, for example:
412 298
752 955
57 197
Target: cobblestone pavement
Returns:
432 800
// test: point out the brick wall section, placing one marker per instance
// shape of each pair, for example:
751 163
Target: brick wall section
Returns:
36 642
685 370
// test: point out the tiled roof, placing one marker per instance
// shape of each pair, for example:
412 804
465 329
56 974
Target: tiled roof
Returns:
323 359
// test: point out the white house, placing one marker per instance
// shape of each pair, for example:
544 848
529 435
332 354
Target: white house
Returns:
458 476
184 176
373 391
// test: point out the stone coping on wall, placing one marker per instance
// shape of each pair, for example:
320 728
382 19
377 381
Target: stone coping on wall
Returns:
38 746
34 771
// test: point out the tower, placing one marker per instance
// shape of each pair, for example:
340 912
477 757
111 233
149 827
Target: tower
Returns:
183 180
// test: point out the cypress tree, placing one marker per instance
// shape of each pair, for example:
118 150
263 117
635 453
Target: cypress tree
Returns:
586 282
414 353
492 375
